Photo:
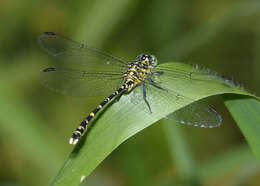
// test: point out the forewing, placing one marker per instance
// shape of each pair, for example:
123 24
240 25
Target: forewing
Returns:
72 53
193 73
80 83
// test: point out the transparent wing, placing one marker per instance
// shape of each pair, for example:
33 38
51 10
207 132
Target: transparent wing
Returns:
73 53
80 83
197 114
193 73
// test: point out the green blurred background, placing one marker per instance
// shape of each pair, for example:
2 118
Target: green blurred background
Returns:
35 124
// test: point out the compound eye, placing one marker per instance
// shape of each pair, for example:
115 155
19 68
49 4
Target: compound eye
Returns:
154 61
140 57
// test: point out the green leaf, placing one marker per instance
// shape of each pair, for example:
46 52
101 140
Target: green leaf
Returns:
246 112
123 119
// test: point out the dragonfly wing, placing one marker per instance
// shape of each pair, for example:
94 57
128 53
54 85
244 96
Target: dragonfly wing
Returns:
197 114
193 73
80 83
73 53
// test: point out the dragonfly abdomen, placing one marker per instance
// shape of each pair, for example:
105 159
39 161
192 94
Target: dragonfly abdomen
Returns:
82 128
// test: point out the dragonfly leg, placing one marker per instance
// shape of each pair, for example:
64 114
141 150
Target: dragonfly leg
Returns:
144 96
154 84
158 73
119 97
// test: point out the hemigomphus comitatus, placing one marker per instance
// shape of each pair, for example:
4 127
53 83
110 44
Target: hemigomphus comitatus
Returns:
105 73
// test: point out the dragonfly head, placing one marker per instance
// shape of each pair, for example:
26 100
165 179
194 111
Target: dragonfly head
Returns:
151 59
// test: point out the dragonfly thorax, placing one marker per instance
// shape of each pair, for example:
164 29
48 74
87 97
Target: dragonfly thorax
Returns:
138 70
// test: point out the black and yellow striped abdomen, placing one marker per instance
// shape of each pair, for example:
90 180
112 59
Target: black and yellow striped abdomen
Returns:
82 128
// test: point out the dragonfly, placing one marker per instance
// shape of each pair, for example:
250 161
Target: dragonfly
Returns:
86 72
